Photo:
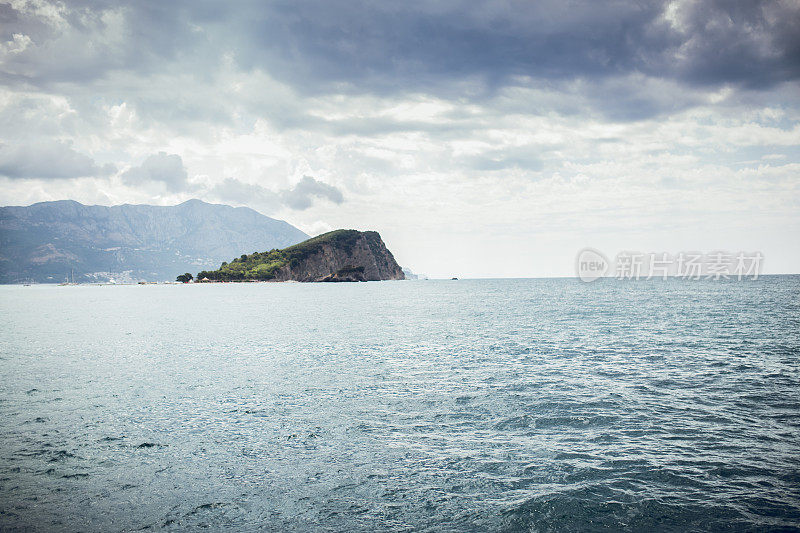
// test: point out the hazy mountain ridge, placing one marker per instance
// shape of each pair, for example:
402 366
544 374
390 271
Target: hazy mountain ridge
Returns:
44 242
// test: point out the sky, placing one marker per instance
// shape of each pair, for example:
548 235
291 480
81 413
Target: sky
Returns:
480 138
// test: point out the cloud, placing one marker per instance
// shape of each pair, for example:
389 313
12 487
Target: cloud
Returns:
755 44
302 195
238 192
299 197
47 42
161 167
424 46
451 49
518 157
47 160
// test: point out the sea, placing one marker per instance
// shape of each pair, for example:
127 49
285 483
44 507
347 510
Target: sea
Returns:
433 405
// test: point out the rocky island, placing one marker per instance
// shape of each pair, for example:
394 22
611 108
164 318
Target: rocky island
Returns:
340 255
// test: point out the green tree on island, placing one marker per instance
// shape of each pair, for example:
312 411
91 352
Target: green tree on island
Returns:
184 278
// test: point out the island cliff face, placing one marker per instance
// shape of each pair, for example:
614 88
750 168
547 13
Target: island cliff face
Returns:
341 255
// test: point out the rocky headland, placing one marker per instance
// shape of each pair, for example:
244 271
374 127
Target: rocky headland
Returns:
336 256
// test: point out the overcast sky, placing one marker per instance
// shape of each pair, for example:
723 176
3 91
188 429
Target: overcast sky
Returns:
484 139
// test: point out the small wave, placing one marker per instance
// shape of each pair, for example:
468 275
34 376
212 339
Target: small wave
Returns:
547 422
61 455
515 422
206 507
77 475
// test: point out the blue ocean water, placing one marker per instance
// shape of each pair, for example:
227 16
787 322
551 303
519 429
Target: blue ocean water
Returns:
473 405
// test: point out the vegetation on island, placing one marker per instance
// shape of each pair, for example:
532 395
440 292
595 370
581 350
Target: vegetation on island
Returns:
263 266
184 278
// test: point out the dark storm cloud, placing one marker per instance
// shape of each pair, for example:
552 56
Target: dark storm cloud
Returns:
47 160
420 45
755 43
425 45
593 52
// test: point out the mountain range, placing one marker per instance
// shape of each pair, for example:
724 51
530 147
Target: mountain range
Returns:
65 240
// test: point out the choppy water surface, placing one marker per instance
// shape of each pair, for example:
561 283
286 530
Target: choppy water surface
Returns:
507 405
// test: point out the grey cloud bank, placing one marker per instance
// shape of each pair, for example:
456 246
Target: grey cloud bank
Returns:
47 159
462 49
409 46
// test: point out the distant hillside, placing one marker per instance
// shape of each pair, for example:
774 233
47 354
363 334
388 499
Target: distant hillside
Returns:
45 242
341 255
